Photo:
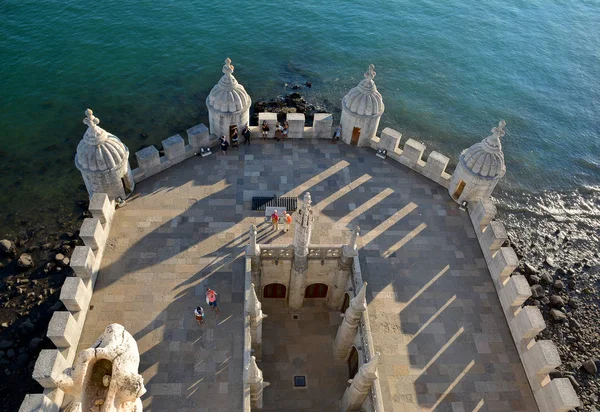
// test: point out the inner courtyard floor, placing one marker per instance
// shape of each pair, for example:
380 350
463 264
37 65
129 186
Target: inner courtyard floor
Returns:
434 312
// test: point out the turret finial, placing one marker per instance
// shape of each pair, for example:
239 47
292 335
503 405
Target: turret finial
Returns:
307 199
228 67
371 366
91 120
370 74
499 130
355 234
359 302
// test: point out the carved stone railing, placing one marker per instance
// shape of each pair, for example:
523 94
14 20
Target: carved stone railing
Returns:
324 252
276 252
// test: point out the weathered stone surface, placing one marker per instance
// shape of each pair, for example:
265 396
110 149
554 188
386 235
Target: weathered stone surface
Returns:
8 248
557 315
25 261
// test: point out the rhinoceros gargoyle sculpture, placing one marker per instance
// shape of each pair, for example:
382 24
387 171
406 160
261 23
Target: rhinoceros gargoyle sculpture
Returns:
104 378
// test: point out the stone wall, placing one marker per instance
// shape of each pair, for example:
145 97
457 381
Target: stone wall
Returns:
247 338
65 327
539 357
411 156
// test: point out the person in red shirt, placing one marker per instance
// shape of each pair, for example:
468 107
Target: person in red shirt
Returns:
211 299
275 220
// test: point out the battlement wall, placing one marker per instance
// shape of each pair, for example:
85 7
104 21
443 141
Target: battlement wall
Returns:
411 156
539 357
65 327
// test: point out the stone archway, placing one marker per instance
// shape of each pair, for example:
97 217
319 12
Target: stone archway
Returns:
274 291
352 362
316 290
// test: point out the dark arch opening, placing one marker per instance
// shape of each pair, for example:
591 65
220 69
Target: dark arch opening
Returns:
316 290
352 363
274 291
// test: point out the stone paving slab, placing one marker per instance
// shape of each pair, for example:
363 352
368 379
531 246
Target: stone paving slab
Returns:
433 309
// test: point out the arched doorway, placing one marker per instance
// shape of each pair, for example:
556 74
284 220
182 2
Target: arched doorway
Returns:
352 363
346 302
274 291
316 290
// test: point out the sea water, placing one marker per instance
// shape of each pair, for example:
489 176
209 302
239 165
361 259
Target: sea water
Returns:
448 72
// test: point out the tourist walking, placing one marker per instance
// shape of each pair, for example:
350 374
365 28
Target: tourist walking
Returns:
235 138
275 220
211 299
246 134
265 129
337 133
286 128
199 312
287 219
224 144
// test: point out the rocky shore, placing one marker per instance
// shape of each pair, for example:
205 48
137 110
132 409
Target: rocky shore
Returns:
561 262
291 103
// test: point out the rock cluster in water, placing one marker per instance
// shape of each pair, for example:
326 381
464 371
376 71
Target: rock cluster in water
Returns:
291 103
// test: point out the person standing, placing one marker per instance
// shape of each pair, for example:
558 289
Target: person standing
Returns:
199 312
211 299
265 129
246 134
338 132
275 220
278 131
287 219
235 138
286 128
224 144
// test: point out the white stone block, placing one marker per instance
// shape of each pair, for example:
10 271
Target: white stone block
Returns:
389 140
74 295
174 147
92 233
148 158
436 165
514 293
482 212
557 396
322 126
412 153
63 330
199 136
541 359
48 367
271 119
502 264
100 207
494 235
527 324
38 402
82 261
296 123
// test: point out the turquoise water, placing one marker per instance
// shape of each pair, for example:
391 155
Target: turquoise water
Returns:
448 71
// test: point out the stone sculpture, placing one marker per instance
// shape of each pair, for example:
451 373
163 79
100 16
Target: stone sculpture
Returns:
104 378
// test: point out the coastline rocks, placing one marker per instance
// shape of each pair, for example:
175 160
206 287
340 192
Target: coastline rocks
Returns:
557 301
529 269
546 279
559 285
590 367
8 248
537 291
557 315
25 261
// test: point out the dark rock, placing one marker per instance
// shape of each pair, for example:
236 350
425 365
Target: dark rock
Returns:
529 269
25 261
557 301
66 249
49 267
574 324
22 359
5 344
590 367
546 279
8 248
573 381
557 315
537 291
559 285
308 84
533 280
571 283
570 272
556 375
26 327
10 354
35 343
561 272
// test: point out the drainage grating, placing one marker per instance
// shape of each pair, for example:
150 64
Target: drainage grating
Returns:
300 381
261 203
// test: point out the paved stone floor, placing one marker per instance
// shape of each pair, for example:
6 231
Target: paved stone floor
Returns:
435 315
301 347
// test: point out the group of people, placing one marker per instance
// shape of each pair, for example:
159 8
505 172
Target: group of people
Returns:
211 299
235 139
281 131
287 220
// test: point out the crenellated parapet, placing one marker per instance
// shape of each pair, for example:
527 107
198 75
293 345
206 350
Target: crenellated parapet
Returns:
410 154
539 357
65 327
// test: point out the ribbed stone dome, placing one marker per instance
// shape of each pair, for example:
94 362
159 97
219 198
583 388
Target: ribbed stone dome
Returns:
486 159
228 96
99 150
364 99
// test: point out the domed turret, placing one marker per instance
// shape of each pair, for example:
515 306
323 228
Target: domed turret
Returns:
479 168
228 104
103 161
362 108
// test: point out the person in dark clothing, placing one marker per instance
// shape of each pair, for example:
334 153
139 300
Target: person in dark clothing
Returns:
224 144
246 134
265 129
235 142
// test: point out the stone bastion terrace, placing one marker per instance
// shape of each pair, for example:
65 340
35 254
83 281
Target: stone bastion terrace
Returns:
391 291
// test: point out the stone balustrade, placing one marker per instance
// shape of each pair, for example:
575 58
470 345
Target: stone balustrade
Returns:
411 156
540 357
65 327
